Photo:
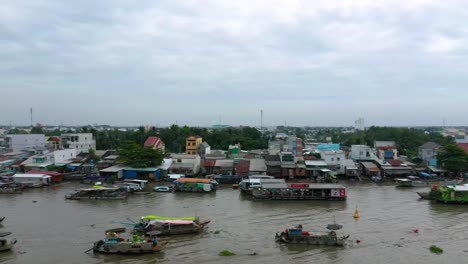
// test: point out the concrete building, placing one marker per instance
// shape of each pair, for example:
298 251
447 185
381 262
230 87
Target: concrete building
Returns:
191 145
82 142
428 151
387 152
185 164
335 160
21 142
361 152
359 124
204 149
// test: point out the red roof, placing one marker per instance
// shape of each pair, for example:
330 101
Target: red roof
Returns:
55 139
386 147
153 141
51 173
394 163
464 146
209 163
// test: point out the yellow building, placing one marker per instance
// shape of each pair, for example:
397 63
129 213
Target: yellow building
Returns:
191 145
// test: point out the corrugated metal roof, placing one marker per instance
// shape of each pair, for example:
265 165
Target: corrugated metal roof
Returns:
257 165
315 163
368 165
224 163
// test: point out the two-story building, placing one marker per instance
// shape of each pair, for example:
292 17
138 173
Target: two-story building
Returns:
185 164
22 142
335 160
191 145
428 151
82 142
361 153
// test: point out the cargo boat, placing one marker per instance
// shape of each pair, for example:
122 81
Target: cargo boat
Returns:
453 194
247 185
299 191
163 225
298 236
113 244
101 193
195 185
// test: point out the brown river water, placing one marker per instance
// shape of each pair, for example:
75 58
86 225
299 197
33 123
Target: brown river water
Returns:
55 230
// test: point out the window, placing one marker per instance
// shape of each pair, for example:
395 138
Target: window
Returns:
338 159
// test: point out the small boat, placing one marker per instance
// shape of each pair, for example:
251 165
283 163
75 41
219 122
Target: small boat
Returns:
10 188
170 225
6 244
376 179
404 182
116 230
114 244
298 236
1 219
162 189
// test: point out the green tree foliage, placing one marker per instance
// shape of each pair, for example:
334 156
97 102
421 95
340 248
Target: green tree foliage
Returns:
92 156
37 130
137 156
453 158
174 137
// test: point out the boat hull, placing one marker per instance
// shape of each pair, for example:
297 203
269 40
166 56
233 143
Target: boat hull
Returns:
6 244
126 247
175 229
326 240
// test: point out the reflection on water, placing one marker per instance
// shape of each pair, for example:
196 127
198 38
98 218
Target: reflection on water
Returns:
51 229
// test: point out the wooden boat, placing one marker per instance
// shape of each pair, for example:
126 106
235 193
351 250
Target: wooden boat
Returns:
11 188
299 191
170 225
298 236
6 244
116 230
113 244
162 189
98 193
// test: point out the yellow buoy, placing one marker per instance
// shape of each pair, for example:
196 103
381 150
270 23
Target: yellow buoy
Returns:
356 213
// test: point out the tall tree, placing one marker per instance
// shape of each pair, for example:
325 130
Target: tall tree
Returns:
453 158
137 156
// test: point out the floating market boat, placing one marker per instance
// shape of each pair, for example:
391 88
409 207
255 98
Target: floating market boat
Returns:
114 244
255 181
170 225
6 244
195 185
10 188
299 191
298 236
99 193
162 189
453 194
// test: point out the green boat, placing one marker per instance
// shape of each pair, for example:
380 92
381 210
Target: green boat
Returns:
453 194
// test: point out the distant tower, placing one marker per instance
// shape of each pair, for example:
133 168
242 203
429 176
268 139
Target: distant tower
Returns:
30 110
359 124
261 119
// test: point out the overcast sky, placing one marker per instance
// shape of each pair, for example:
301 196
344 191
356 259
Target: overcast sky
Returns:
198 62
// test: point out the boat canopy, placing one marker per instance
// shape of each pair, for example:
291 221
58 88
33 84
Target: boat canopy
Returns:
171 222
157 217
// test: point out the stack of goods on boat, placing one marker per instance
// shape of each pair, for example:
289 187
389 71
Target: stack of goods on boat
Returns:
163 225
6 244
114 244
195 185
298 236
452 194
299 191
99 193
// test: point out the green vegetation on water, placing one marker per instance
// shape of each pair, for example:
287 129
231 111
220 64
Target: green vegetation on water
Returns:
436 250
226 253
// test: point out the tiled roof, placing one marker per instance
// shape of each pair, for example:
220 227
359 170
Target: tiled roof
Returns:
464 146
153 141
